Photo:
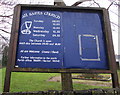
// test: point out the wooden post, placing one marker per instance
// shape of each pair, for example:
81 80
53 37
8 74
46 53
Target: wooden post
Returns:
7 80
115 83
8 68
59 3
12 49
66 78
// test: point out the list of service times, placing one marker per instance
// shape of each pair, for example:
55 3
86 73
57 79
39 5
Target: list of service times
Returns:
39 38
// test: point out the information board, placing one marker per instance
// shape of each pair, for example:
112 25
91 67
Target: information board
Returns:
56 39
60 39
40 42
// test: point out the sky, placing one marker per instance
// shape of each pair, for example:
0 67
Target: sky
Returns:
113 12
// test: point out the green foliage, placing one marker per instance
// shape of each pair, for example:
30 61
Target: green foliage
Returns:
5 56
0 64
4 61
119 75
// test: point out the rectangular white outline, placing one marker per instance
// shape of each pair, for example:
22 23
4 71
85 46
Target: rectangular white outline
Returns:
80 47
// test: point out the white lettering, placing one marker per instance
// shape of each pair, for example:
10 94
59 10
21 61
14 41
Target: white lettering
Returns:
41 21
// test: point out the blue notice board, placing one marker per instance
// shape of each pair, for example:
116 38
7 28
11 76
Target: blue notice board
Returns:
59 39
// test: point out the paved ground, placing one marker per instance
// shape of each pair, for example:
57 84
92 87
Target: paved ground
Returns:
88 82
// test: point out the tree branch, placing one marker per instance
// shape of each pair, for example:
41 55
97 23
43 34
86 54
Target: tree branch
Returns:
6 16
5 31
10 3
96 3
110 5
114 13
118 4
79 2
4 21
114 24
3 37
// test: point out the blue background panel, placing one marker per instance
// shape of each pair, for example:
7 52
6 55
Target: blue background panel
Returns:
88 46
92 54
41 47
55 39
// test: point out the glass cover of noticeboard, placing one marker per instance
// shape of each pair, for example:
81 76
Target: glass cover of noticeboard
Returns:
56 39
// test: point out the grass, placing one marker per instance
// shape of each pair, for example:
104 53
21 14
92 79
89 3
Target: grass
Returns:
0 80
118 71
21 82
32 82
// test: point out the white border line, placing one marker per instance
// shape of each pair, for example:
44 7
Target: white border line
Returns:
80 47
